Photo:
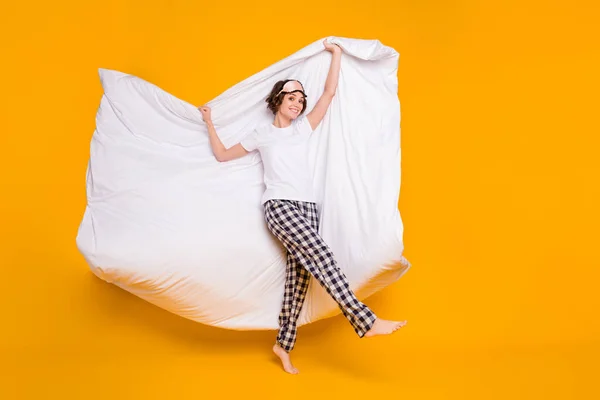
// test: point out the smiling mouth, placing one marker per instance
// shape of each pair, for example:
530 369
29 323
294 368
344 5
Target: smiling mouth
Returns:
294 110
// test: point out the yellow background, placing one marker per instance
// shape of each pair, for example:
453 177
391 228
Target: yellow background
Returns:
500 189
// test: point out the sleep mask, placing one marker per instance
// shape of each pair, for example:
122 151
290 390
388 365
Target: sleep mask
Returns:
291 87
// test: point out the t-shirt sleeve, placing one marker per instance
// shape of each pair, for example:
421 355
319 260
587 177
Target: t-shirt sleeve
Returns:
303 125
250 141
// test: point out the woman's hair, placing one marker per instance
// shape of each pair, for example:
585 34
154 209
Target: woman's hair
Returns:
274 100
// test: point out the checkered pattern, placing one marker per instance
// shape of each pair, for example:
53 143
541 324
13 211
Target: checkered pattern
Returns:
296 225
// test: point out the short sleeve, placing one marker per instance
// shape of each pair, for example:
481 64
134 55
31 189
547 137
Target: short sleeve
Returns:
250 142
303 125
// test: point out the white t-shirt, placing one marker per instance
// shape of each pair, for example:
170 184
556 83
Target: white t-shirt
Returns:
284 153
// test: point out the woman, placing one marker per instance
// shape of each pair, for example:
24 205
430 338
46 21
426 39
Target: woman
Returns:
290 209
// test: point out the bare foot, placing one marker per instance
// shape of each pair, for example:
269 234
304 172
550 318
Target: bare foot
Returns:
285 359
384 327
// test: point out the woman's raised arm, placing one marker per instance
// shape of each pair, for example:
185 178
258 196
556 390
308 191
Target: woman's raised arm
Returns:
320 109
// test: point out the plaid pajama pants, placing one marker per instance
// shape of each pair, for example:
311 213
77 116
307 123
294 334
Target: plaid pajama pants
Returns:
296 224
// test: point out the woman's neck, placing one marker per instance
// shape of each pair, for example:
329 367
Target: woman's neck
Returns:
281 121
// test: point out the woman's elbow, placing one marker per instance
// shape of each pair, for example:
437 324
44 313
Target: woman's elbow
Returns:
330 91
221 157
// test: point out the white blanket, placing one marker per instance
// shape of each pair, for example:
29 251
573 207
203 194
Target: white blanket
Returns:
167 222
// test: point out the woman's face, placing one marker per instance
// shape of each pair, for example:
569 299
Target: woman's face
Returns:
292 105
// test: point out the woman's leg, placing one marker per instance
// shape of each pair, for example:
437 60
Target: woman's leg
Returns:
296 286
286 221
288 296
